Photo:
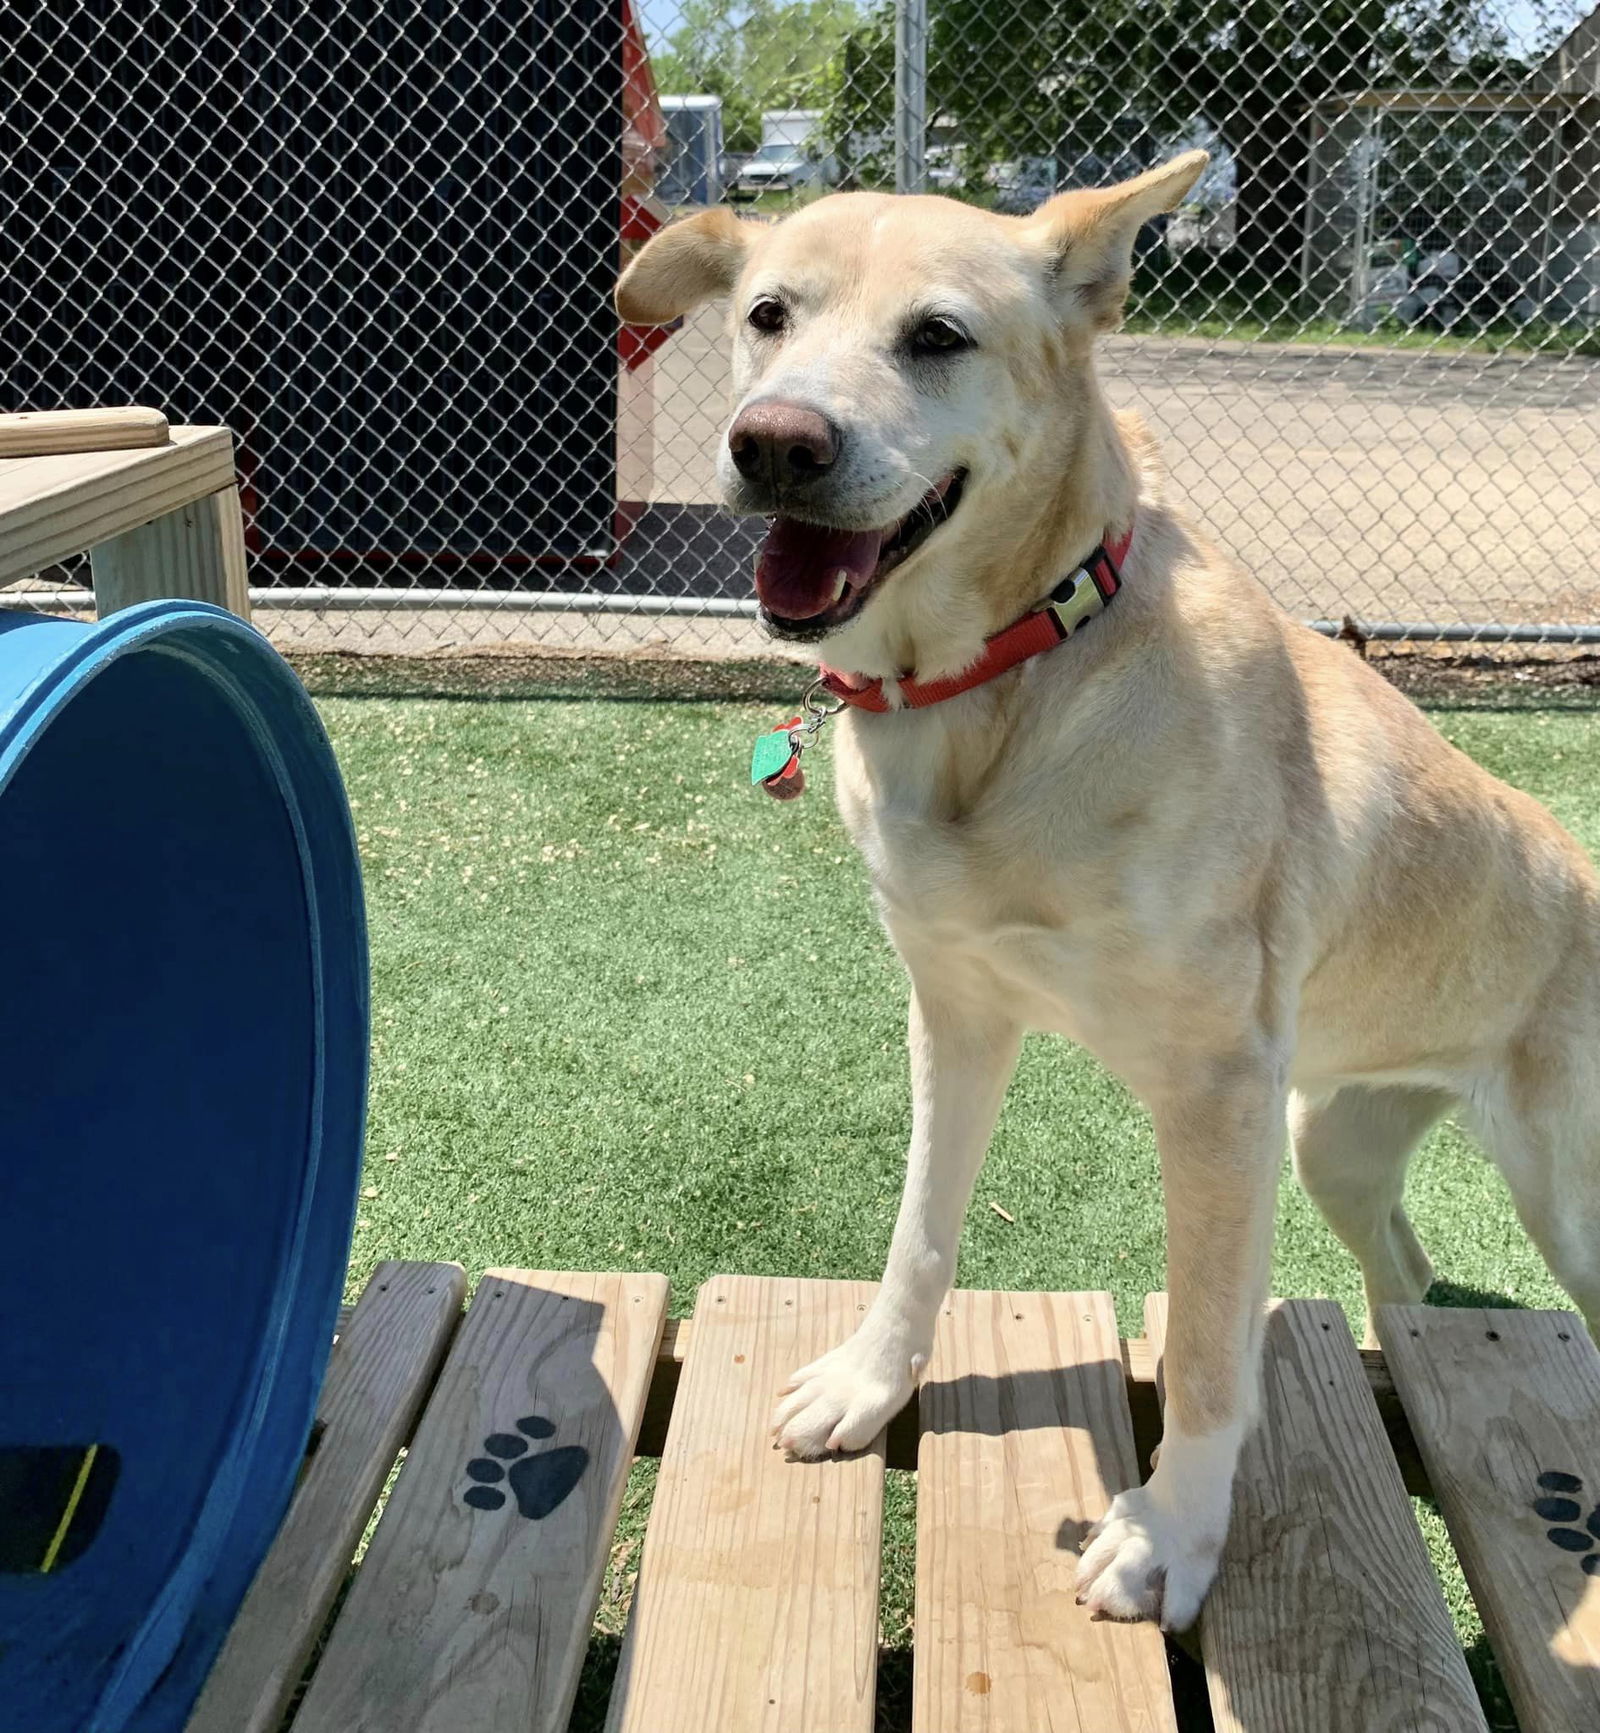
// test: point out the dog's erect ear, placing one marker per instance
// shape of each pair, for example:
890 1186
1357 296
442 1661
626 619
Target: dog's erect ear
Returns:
687 263
1088 236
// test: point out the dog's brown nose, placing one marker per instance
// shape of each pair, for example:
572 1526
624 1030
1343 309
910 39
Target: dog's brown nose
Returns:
782 444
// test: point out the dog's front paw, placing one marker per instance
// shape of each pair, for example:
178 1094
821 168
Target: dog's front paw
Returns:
1146 1561
845 1399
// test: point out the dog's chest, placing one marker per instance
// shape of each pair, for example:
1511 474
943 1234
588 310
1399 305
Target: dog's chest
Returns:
986 908
953 880
1024 886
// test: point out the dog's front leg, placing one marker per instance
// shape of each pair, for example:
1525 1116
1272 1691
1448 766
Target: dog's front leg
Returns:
1221 1140
962 1058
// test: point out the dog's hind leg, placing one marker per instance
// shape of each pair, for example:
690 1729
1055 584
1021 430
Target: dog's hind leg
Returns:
1351 1150
1540 1122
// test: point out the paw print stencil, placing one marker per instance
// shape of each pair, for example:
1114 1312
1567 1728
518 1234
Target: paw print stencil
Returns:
1559 1504
539 1480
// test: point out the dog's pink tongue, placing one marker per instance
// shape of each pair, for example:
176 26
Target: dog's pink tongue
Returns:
798 566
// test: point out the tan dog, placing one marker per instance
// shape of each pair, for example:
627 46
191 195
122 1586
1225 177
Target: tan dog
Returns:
1209 845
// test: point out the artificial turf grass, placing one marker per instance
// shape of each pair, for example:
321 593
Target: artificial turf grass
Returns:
631 1014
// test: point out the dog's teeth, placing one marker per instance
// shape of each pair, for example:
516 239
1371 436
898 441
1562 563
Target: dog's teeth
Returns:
841 583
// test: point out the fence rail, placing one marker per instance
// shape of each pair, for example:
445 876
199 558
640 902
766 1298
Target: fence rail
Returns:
377 238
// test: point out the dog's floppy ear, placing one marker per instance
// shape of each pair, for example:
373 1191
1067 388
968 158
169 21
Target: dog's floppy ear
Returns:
1088 236
687 263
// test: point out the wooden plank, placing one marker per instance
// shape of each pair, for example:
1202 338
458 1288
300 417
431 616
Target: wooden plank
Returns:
757 1600
195 552
1505 1407
378 1378
1026 1437
1327 1615
1139 1368
473 1605
53 507
1139 1359
43 433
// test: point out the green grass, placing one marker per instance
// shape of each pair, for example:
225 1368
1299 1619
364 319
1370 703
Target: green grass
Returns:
631 1015
1243 324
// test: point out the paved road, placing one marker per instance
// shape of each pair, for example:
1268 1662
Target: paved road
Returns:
1386 483
1389 484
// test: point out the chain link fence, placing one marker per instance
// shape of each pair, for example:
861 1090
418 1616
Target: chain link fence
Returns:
377 238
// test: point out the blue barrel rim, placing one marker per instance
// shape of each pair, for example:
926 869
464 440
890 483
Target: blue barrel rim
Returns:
162 1662
101 642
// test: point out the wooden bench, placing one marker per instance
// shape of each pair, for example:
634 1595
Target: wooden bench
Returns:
156 506
756 1606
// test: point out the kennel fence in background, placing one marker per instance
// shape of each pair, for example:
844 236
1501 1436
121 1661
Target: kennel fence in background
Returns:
377 238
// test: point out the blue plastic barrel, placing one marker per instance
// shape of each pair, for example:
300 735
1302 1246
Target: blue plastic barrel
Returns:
183 1047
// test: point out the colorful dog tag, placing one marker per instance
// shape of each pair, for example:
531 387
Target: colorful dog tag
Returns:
773 752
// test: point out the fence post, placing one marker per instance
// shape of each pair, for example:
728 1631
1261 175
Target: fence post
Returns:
910 95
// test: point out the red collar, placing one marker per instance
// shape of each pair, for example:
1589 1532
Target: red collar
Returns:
1069 607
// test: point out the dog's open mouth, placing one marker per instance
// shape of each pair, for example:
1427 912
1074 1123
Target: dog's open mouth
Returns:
810 578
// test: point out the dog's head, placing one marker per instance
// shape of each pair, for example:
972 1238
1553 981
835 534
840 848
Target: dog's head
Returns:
912 383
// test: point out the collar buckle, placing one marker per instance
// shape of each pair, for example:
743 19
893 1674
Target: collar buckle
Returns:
1074 601
1086 592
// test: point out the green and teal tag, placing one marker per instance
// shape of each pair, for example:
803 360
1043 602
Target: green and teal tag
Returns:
774 753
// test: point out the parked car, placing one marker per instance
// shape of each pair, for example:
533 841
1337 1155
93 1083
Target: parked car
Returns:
775 168
791 154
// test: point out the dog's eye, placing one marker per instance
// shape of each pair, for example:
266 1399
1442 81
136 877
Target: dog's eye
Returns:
767 315
939 336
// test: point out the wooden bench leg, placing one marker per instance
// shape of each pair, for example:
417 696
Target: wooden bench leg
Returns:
195 553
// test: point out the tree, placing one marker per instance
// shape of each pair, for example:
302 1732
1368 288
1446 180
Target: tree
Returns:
755 55
1114 80
858 102
1258 68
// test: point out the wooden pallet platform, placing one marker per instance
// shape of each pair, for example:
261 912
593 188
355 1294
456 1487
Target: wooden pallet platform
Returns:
756 1606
